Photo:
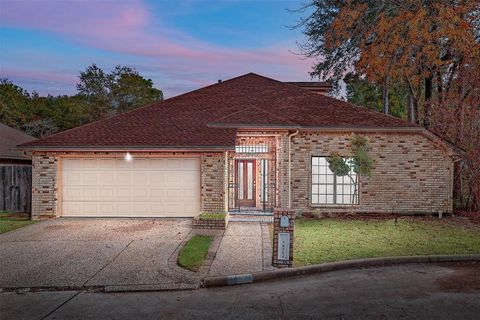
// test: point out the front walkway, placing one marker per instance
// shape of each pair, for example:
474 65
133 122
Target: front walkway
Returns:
245 248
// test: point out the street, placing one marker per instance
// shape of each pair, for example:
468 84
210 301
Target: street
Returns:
445 291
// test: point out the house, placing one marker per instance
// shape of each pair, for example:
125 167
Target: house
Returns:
248 143
15 171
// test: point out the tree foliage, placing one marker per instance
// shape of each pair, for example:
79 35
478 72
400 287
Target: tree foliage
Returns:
361 162
418 44
364 93
100 95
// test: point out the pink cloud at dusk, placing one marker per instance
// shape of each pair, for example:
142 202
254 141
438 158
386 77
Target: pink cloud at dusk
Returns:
128 28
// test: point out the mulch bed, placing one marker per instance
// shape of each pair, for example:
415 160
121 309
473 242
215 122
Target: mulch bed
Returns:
458 217
472 216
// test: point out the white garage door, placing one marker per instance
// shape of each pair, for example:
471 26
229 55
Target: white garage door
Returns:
137 188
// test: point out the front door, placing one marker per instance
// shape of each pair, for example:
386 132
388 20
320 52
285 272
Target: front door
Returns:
245 176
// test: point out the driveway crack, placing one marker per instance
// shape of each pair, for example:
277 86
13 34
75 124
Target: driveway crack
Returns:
109 262
61 305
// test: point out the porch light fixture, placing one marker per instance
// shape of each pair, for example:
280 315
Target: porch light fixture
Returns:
128 157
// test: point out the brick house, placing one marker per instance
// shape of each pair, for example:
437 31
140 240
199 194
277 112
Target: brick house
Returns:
249 143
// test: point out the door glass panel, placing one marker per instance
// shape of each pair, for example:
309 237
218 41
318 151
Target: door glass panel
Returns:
240 180
249 180
264 181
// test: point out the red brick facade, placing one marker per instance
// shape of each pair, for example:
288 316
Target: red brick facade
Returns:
411 174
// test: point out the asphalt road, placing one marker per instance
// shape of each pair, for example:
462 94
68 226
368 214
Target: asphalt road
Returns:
443 291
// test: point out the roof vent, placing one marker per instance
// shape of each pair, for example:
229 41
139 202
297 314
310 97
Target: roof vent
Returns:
219 80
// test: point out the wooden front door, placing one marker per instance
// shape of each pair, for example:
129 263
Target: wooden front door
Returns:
245 176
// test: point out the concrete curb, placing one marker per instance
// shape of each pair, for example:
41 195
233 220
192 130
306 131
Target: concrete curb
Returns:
332 266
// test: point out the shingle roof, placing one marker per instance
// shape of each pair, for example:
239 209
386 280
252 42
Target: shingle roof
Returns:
207 117
9 138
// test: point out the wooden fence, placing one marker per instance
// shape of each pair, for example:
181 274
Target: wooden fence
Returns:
15 188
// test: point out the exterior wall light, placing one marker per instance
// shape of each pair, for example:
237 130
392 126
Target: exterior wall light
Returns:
128 157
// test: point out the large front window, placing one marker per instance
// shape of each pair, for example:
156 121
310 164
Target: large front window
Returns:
328 188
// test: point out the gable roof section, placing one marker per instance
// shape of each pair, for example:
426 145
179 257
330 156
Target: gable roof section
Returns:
210 116
252 116
9 138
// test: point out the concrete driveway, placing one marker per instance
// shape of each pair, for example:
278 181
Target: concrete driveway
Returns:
116 254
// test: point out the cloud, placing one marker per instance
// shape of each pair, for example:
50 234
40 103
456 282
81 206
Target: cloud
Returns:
128 27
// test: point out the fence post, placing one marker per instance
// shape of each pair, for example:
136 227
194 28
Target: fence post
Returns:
283 226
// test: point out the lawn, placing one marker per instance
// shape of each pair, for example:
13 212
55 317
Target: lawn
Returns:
327 240
9 221
194 251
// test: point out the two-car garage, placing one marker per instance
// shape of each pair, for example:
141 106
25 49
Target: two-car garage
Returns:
141 187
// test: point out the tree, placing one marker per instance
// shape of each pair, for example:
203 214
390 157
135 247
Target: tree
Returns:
361 163
40 128
364 93
94 85
15 104
121 90
130 90
418 44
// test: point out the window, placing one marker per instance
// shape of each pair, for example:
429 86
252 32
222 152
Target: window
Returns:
327 188
251 149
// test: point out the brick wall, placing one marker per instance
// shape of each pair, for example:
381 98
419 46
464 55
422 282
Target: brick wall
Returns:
44 186
411 174
213 179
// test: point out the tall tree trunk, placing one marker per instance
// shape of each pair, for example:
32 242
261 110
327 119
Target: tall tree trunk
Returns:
385 96
439 87
428 102
412 108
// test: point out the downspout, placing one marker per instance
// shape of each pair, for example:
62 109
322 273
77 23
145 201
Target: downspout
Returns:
289 168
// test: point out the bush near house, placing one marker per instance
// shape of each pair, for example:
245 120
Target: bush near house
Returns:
327 240
12 221
212 216
194 251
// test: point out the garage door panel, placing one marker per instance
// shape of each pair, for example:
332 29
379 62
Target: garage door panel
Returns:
191 165
107 164
87 177
142 187
124 193
90 164
157 178
157 164
140 179
106 178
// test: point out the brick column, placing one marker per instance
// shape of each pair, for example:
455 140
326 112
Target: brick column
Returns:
287 232
44 186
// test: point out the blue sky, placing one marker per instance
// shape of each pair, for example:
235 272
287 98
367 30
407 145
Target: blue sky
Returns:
180 45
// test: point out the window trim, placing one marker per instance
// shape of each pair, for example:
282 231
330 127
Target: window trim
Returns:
329 205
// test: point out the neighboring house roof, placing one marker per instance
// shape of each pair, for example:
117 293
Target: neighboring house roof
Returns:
9 138
210 117
314 86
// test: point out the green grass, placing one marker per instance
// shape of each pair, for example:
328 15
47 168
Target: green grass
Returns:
9 222
212 216
194 251
327 240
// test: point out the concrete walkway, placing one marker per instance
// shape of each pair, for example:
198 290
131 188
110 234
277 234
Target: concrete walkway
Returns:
117 254
245 248
414 291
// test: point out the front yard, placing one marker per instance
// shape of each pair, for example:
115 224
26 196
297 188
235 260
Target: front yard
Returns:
327 240
12 221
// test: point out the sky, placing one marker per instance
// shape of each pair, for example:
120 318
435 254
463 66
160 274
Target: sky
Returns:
181 45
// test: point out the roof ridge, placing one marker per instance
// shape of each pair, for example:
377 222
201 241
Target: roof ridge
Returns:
252 107
277 116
